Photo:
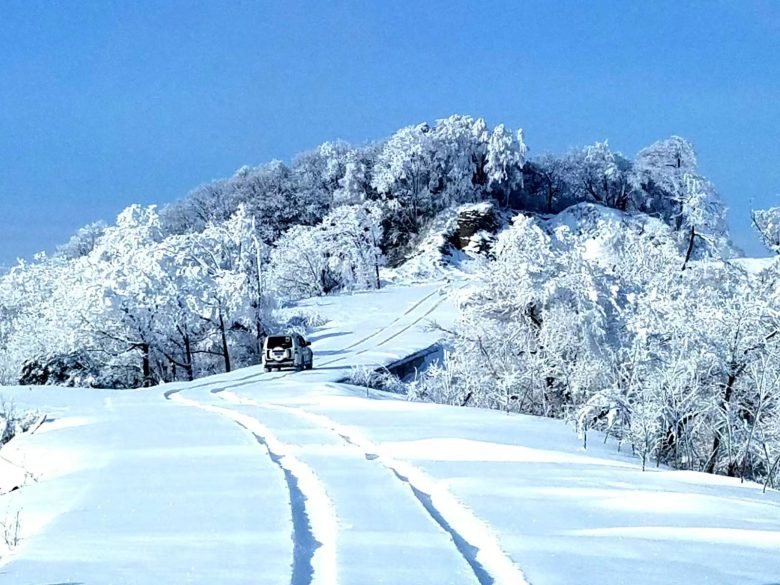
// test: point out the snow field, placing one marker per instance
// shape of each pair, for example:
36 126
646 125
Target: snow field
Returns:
475 541
251 477
318 507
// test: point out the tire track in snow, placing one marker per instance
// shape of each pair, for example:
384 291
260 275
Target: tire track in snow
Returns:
391 324
394 321
304 543
474 540
266 377
314 552
313 516
413 323
416 321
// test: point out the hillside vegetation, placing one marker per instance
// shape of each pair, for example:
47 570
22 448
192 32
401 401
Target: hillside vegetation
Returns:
609 299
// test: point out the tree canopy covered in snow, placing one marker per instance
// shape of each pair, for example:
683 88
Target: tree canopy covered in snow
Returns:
600 317
610 297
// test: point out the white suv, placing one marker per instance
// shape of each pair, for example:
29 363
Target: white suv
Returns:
282 351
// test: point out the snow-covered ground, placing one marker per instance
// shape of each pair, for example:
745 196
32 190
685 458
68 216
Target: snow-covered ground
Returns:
755 265
290 477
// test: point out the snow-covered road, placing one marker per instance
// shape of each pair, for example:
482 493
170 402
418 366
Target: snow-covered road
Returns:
255 477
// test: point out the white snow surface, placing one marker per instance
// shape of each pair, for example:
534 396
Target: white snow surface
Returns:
755 265
294 478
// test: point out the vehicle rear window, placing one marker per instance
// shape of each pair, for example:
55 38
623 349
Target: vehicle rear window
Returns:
279 341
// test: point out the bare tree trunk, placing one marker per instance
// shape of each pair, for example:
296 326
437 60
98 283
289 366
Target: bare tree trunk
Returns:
225 349
259 335
146 365
549 199
188 357
690 248
713 460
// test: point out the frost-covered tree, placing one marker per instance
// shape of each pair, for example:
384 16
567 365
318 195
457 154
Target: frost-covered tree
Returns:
666 182
548 184
403 176
504 161
299 264
601 175
343 251
421 170
767 223
83 241
659 175
226 270
354 186
352 237
124 298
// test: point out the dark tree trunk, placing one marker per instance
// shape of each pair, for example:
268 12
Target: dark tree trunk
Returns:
223 335
550 194
716 442
146 365
689 252
260 332
188 357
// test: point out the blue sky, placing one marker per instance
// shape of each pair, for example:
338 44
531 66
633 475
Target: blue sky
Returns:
103 104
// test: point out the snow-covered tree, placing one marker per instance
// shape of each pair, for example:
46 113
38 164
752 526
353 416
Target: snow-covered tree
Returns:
355 184
299 264
767 223
504 161
83 241
341 252
601 175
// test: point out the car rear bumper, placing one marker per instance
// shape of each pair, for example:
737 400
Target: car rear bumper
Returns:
282 364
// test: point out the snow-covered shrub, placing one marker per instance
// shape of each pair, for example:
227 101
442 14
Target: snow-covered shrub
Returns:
305 318
11 531
442 383
13 422
376 379
67 370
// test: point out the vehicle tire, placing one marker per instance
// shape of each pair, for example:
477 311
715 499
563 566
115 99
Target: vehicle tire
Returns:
310 365
267 369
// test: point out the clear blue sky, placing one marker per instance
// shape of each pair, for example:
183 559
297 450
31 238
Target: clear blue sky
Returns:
107 103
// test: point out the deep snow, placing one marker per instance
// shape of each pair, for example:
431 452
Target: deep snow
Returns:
292 478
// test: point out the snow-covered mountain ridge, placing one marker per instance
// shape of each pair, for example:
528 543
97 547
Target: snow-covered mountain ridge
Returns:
191 289
250 477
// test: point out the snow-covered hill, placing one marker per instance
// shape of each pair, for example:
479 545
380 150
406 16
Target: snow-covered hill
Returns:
289 477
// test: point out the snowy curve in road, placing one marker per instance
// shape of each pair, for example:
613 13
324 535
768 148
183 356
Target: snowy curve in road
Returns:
254 477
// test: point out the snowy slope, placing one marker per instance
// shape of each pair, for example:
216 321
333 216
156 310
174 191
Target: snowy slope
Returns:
755 265
289 477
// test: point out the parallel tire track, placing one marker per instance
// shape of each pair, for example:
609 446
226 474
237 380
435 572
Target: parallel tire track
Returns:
265 376
313 517
413 323
312 511
382 330
474 540
391 324
394 321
